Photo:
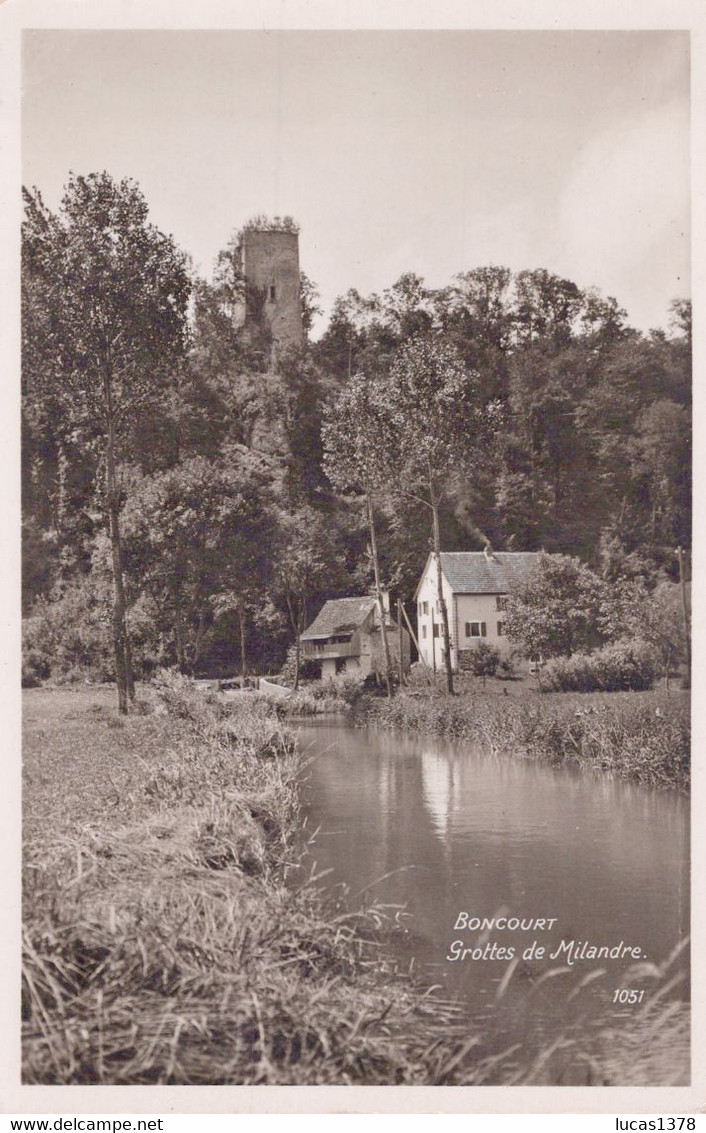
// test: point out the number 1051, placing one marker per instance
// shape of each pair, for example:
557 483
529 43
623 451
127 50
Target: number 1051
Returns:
628 995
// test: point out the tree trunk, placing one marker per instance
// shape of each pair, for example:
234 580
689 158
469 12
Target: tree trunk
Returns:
123 660
433 643
298 650
59 497
129 672
198 640
179 642
442 603
685 613
243 657
378 593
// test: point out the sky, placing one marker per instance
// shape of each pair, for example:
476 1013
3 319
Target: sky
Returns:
432 151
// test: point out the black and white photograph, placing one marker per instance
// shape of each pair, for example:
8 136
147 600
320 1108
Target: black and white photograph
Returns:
355 381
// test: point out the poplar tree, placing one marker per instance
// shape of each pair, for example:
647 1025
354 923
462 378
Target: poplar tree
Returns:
355 434
437 432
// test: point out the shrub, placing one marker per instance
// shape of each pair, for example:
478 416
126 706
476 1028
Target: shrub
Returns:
482 660
623 666
36 665
506 669
344 686
67 633
68 636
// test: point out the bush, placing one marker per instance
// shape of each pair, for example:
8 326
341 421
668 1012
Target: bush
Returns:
621 667
36 665
69 638
506 669
344 686
67 633
482 660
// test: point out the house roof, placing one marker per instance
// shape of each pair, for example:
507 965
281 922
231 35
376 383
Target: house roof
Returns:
474 572
339 615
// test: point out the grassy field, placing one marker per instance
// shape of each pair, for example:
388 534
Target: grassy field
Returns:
643 736
162 944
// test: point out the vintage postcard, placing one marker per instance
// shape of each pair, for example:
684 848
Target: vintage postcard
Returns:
353 361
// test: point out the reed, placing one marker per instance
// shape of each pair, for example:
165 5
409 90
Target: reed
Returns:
640 736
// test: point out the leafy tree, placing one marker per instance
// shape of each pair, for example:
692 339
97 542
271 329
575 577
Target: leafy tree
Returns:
305 563
113 293
558 610
682 320
661 456
197 540
298 406
407 307
435 431
474 314
353 431
546 307
631 610
310 302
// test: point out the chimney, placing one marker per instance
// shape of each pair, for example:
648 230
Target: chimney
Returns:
488 550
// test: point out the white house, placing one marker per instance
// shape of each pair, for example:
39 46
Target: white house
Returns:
475 586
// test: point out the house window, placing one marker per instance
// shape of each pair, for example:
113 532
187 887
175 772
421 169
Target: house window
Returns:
436 629
501 603
423 608
475 629
501 629
272 294
424 631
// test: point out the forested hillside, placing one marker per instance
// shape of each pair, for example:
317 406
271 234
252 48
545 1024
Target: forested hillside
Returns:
152 431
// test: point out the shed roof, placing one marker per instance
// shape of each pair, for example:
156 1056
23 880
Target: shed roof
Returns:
339 615
474 572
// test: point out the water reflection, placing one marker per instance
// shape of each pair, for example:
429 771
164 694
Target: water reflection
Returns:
445 828
438 789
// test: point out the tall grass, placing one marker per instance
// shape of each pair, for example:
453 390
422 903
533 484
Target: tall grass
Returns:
644 737
167 947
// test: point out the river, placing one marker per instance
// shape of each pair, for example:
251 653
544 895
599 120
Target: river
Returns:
442 829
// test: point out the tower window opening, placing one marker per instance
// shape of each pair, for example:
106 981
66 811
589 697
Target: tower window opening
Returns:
272 294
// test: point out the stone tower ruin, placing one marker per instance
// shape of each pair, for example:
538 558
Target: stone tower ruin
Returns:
269 262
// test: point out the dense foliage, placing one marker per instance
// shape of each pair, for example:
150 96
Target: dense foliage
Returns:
515 409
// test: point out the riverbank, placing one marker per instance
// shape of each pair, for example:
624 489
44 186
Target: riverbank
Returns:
163 944
641 736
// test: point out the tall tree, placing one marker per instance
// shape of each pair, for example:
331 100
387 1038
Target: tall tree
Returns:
197 540
558 609
354 435
114 292
305 563
436 428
